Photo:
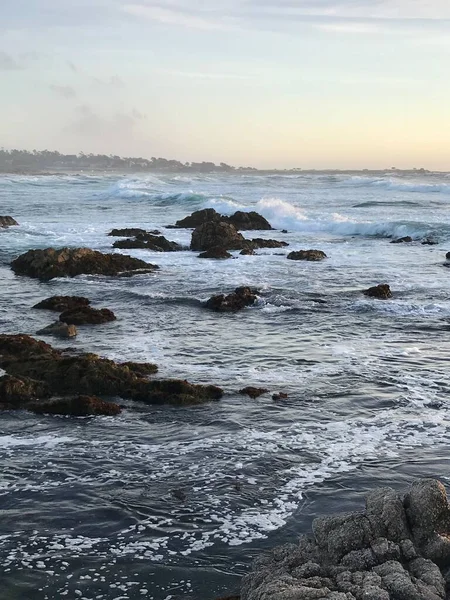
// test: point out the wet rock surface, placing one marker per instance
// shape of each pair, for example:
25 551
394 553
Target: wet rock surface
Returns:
7 221
79 406
130 232
397 549
309 255
240 220
253 392
61 303
403 240
148 241
237 300
249 220
59 329
381 291
216 252
86 315
22 356
70 262
217 234
197 218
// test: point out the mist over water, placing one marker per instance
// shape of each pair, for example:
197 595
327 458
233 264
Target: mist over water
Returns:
90 501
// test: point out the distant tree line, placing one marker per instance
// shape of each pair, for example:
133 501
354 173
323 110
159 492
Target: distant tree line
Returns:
41 160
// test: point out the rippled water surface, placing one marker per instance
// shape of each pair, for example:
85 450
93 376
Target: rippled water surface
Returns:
171 502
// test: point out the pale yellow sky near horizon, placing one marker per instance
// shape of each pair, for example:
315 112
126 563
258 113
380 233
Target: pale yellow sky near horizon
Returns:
310 84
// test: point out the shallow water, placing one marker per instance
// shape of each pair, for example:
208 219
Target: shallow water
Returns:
90 506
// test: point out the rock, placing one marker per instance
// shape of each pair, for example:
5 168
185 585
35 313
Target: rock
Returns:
284 231
79 406
237 300
17 391
262 243
402 240
88 374
215 252
247 252
127 232
447 256
70 262
310 255
197 218
213 234
347 559
7 222
429 242
249 220
58 329
148 241
381 291
60 303
253 392
280 396
86 315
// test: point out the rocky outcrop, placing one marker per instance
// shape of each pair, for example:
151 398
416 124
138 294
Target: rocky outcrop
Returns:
216 252
403 240
381 291
15 392
253 392
249 220
237 300
213 234
6 221
59 329
60 303
310 255
197 218
70 262
247 252
86 315
397 549
262 243
88 374
79 406
148 241
130 232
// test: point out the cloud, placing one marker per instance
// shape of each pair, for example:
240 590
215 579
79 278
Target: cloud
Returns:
114 81
8 63
90 124
66 91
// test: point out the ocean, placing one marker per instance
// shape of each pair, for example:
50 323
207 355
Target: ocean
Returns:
164 502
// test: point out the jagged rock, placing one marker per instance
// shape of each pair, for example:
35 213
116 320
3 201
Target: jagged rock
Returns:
60 303
70 262
249 220
310 255
215 252
7 222
58 329
262 243
127 232
86 315
381 291
79 406
253 392
207 215
91 375
347 559
157 243
247 252
17 391
213 234
402 240
280 396
237 300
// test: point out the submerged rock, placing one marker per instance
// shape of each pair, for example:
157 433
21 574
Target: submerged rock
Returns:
7 221
394 550
253 392
249 220
60 303
429 242
262 243
381 291
127 232
215 252
148 241
58 329
247 252
237 300
86 315
70 262
403 240
88 374
310 255
79 406
217 234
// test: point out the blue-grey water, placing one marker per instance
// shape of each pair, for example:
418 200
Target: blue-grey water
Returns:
87 505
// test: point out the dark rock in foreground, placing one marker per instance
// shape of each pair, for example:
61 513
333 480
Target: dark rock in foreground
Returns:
70 262
253 392
403 240
59 329
219 253
394 550
60 303
79 406
310 255
213 234
88 374
381 291
7 221
237 300
148 241
86 315
249 220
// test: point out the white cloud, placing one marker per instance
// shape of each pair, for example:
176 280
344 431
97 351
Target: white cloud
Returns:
8 63
66 91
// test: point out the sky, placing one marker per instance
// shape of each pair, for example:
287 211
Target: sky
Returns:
263 83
